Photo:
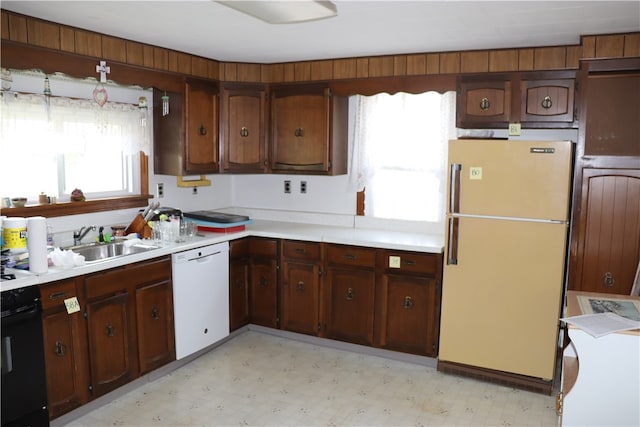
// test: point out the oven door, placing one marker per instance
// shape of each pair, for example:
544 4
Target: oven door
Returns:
24 388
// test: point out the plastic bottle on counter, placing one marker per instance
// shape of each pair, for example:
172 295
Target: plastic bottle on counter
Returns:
15 234
50 241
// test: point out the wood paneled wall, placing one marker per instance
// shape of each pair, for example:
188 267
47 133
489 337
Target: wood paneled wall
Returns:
32 31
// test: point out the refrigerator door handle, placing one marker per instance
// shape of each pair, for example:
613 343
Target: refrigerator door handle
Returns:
454 196
452 244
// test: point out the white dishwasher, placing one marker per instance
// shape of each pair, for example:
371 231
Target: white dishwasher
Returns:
200 297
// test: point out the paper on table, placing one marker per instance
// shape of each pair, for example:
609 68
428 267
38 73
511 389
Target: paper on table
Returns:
601 324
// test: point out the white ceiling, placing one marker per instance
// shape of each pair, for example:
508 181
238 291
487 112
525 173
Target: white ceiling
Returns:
362 28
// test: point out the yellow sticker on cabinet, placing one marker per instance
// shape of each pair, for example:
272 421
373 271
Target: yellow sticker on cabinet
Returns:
72 305
394 261
475 172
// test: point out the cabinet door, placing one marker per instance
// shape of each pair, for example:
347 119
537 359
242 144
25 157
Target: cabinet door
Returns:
154 315
300 137
243 129
65 360
300 297
547 101
409 310
608 231
168 134
201 133
483 104
111 343
350 305
238 292
264 292
612 124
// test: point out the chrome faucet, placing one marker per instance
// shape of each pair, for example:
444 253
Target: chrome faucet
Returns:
78 235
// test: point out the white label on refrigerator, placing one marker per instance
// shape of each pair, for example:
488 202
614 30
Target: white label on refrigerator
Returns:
475 172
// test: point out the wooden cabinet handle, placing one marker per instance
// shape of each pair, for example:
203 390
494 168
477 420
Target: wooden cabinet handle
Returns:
350 295
60 349
202 130
300 287
299 250
244 132
57 295
110 330
484 104
546 102
263 282
349 256
155 314
408 302
299 132
410 262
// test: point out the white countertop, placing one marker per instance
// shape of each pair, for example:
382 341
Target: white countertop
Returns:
376 238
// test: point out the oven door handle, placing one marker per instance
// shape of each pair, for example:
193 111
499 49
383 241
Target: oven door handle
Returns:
11 319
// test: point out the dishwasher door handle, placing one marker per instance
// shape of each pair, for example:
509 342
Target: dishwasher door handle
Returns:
203 258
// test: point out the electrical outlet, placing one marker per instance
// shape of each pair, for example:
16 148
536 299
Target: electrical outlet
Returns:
160 190
194 191
287 186
303 187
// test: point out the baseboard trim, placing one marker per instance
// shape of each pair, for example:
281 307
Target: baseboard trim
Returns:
523 382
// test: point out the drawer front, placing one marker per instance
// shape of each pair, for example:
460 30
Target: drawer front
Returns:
307 251
351 255
264 247
411 262
121 278
53 295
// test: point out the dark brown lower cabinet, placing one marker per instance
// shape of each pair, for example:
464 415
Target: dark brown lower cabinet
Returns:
124 329
154 319
411 294
300 301
349 285
65 349
239 258
111 343
263 292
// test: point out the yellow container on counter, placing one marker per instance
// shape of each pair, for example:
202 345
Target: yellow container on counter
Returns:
15 234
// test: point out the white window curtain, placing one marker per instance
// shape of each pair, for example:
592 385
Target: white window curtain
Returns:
54 144
399 153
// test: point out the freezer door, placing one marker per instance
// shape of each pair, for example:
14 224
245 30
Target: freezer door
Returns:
501 301
524 179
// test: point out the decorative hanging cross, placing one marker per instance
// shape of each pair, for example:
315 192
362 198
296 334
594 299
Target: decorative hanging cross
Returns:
103 69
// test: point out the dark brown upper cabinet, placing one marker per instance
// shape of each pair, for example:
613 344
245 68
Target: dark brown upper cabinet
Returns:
535 100
243 128
186 137
309 128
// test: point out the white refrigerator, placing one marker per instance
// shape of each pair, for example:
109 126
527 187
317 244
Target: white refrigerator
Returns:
505 251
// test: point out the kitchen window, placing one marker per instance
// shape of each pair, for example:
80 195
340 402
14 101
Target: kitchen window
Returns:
55 144
398 153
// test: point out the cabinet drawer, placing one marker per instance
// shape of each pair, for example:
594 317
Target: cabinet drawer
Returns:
351 255
264 247
411 262
293 249
121 278
53 295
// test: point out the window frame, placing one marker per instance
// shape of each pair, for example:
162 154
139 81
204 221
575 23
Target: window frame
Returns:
93 205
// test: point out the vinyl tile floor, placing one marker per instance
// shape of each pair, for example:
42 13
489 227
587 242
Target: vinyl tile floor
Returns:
256 379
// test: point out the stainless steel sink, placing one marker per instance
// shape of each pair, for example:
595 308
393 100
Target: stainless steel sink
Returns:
102 251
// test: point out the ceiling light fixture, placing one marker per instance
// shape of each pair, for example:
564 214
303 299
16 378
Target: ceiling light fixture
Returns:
285 12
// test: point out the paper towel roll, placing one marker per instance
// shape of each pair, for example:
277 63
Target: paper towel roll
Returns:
37 244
